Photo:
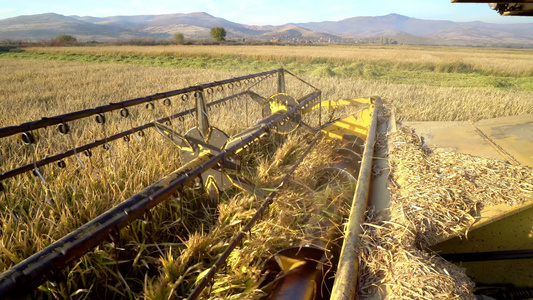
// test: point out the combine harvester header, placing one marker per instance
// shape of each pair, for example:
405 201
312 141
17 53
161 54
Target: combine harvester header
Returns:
209 156
211 159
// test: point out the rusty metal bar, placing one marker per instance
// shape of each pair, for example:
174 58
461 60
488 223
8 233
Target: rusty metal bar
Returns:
45 122
247 228
345 284
281 82
33 271
57 157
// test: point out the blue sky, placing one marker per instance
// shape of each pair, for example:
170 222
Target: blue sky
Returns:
264 12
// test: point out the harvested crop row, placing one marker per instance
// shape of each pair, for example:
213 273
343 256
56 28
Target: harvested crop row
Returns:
433 194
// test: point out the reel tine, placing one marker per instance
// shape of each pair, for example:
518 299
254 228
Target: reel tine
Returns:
167 132
137 139
38 173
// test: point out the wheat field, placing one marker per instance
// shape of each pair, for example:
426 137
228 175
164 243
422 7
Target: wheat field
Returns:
507 61
156 252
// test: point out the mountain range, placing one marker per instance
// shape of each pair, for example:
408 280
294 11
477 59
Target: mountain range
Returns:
393 27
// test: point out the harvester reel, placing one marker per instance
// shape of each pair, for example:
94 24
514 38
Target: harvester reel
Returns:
209 154
280 103
190 148
194 144
219 178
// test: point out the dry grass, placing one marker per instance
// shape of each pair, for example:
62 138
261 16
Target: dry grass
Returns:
507 61
435 194
284 225
34 89
164 248
411 102
32 210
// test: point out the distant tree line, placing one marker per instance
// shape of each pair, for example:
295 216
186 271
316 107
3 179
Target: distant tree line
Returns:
218 35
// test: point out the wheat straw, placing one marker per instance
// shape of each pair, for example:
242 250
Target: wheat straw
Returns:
432 194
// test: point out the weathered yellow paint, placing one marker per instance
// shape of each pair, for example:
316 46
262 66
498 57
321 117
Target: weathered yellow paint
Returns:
276 106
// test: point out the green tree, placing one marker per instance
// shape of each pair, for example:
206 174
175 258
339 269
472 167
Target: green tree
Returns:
218 33
67 39
179 38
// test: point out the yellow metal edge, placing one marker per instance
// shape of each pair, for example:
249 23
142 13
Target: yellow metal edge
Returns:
345 284
487 216
354 124
334 104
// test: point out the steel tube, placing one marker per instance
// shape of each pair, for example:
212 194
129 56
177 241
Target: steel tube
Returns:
34 270
45 122
57 157
345 284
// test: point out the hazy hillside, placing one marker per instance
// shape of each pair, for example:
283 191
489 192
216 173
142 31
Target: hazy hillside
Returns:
46 26
372 26
482 36
393 27
293 31
439 32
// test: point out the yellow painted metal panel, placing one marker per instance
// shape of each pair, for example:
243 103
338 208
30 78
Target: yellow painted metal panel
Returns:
512 232
513 134
344 287
357 124
334 104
